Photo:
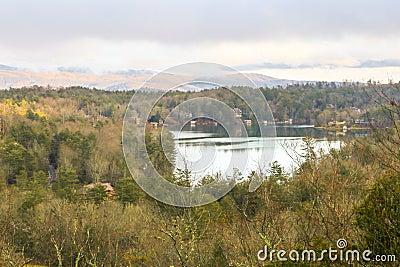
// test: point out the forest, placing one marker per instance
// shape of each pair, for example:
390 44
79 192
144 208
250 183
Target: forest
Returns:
67 197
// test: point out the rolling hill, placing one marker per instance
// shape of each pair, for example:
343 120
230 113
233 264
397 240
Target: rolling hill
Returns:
117 80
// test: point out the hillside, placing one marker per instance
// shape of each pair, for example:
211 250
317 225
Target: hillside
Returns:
116 80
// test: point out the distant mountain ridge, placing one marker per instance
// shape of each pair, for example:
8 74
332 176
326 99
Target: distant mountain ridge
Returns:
112 80
5 67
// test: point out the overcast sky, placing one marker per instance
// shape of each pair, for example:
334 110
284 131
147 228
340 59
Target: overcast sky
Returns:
305 40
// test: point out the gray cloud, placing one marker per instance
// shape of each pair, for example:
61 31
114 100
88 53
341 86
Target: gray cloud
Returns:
44 22
270 65
265 65
74 69
363 64
379 63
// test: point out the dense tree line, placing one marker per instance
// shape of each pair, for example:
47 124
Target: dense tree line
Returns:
303 103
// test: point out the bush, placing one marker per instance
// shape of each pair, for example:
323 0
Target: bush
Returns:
378 216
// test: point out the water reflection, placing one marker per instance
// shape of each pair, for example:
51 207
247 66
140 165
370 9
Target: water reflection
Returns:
207 150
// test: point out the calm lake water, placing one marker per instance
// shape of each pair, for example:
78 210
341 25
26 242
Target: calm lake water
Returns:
207 150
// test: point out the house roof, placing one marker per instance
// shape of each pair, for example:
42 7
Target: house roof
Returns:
107 186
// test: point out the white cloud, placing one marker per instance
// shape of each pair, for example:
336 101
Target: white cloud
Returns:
120 34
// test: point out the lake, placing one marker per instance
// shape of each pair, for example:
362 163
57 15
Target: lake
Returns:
208 150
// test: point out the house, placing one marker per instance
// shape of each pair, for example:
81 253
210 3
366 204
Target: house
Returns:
137 120
238 112
247 122
153 124
107 186
188 115
336 123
